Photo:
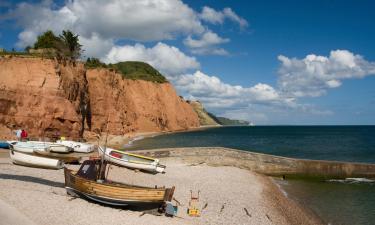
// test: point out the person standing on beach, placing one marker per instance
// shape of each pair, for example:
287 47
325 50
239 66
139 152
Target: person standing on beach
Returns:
23 135
18 134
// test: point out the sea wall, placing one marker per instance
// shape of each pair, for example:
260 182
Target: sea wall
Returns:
266 164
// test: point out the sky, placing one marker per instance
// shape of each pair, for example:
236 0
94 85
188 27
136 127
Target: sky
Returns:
269 62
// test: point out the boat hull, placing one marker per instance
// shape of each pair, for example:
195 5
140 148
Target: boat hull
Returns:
78 146
115 194
66 158
151 166
25 148
53 147
4 144
24 159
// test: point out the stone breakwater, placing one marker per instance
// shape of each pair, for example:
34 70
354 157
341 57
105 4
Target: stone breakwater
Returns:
266 164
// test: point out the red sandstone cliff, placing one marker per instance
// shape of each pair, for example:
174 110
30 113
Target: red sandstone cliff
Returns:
45 98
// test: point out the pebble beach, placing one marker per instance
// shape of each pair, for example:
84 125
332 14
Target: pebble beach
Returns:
228 195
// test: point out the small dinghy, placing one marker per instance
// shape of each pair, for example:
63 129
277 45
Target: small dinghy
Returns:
53 147
26 147
90 182
132 161
4 144
25 159
77 146
31 146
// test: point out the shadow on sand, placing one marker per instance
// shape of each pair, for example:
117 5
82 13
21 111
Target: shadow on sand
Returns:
31 180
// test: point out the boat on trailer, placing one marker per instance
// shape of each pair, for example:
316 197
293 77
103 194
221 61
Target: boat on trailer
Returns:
132 161
89 182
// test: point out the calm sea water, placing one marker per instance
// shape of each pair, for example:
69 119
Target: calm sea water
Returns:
349 201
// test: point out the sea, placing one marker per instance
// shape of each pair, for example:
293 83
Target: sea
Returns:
336 201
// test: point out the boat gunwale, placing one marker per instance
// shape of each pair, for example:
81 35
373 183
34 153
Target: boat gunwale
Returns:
131 154
112 184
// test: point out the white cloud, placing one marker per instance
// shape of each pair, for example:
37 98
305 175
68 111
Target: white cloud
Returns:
207 44
37 18
96 46
217 17
313 75
168 59
208 39
209 51
257 103
217 94
142 20
101 23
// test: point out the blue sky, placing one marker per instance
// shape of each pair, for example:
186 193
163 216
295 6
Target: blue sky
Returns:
271 62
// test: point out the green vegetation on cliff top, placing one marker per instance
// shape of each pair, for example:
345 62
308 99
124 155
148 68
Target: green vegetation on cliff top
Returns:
139 71
67 46
130 70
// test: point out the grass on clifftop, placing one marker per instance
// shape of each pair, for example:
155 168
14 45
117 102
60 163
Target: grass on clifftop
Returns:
130 70
139 71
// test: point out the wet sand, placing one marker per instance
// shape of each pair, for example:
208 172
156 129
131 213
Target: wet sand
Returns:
226 192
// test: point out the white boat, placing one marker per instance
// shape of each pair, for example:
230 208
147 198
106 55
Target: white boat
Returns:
77 146
25 159
26 147
30 146
131 160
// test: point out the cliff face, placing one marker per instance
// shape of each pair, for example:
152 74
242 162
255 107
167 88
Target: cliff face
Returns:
135 105
46 98
204 118
42 96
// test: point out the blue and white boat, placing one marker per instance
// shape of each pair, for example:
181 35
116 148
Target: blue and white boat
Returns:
4 144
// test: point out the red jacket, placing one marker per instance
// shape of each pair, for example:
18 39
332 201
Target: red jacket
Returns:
23 134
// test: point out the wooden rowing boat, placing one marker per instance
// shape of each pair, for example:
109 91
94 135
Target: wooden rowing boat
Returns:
132 161
86 183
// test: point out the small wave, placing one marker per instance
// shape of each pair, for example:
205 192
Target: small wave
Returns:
137 138
279 184
130 143
352 180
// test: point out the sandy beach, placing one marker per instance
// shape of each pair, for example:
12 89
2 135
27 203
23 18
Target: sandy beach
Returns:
225 192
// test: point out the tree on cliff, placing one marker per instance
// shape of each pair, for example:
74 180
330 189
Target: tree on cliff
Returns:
93 63
68 45
46 40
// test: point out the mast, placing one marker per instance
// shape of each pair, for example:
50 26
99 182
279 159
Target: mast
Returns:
102 167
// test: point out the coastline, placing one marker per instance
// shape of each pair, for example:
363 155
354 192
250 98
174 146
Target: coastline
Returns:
120 141
238 188
295 212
